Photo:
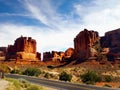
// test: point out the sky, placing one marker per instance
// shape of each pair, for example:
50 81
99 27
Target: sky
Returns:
55 23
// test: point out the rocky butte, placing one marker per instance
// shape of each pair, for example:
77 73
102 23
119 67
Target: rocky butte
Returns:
84 45
3 51
23 49
111 42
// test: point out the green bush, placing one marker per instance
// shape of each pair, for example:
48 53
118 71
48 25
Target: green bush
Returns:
16 85
46 75
24 83
32 72
5 68
90 77
65 77
14 71
108 78
34 87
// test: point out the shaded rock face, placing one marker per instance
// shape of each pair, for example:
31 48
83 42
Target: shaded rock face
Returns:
68 53
53 56
111 40
47 56
3 51
84 43
23 48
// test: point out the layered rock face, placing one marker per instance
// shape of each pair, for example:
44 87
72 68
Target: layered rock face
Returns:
111 41
23 48
84 44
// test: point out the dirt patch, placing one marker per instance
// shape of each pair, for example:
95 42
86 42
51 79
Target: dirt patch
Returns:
112 84
3 84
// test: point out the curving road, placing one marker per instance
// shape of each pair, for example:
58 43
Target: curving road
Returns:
58 84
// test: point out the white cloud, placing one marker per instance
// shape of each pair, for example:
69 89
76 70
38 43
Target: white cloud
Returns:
44 12
46 40
102 15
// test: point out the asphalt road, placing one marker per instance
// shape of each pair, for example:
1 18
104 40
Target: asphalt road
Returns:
60 85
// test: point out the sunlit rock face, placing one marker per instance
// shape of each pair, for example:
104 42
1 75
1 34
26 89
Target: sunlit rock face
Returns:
23 48
111 40
84 44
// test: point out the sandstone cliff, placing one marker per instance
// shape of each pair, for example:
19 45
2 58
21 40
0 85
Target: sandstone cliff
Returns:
23 48
3 51
111 40
84 44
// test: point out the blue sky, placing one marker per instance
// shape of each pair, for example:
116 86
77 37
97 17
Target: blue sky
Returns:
55 23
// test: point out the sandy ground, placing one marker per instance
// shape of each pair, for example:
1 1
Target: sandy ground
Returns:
3 84
112 84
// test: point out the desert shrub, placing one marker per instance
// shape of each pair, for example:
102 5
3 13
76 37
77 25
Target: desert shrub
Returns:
16 85
24 83
14 71
65 77
46 75
108 78
32 72
34 87
4 68
90 77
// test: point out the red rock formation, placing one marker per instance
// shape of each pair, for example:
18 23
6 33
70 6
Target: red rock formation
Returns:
84 42
38 56
69 52
3 51
57 56
53 56
111 40
25 44
47 56
23 48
